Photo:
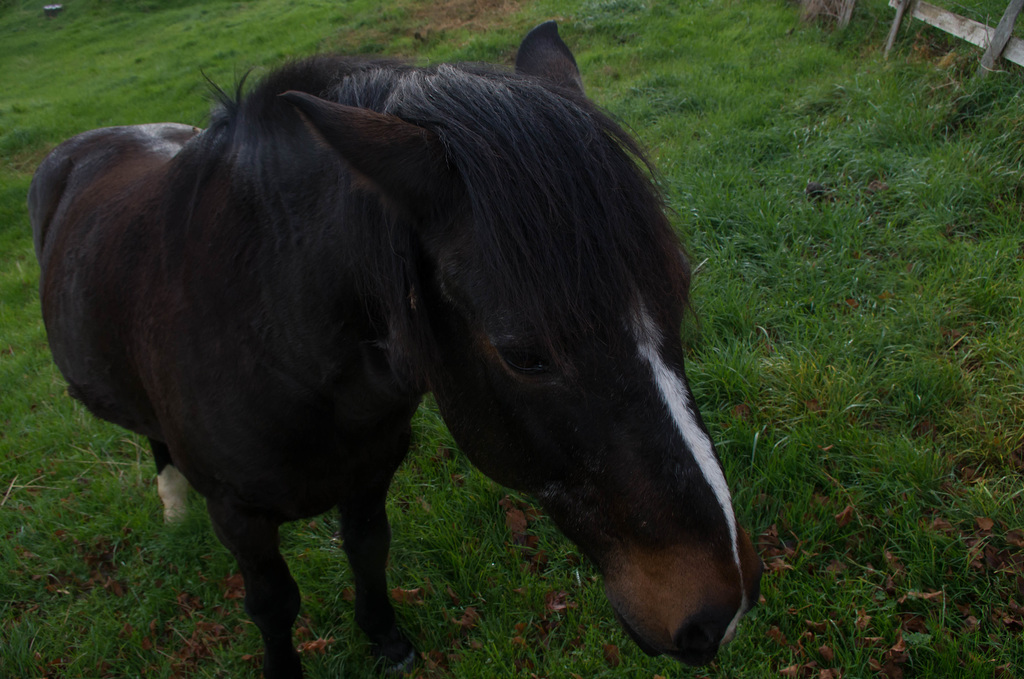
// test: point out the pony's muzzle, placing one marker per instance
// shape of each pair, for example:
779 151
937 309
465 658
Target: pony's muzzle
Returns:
698 638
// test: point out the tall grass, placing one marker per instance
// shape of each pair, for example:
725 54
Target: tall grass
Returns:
856 353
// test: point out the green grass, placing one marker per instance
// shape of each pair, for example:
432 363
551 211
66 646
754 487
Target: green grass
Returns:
858 359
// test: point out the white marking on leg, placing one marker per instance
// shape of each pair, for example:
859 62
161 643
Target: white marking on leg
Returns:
676 396
173 487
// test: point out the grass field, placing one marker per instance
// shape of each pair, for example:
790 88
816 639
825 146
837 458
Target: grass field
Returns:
858 355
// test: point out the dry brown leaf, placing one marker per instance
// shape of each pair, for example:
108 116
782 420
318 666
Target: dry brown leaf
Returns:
408 596
516 521
315 646
234 586
611 655
558 601
926 596
845 516
778 636
816 627
469 618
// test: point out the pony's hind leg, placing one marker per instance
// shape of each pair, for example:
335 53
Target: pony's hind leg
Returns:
170 483
366 539
272 598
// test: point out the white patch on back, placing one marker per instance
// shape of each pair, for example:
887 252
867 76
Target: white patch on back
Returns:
676 396
173 488
157 142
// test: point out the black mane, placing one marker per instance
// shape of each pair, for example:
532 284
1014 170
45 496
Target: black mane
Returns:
569 228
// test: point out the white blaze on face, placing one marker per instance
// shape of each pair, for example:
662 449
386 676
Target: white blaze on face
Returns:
676 396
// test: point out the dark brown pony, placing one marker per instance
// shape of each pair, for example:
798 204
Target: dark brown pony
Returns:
267 300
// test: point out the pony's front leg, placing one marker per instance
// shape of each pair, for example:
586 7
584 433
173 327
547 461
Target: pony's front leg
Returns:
366 539
271 596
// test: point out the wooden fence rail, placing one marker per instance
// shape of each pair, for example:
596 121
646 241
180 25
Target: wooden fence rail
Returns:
1011 49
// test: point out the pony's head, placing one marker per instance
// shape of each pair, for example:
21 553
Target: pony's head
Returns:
551 289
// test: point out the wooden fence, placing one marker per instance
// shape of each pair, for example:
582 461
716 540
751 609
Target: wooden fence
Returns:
996 41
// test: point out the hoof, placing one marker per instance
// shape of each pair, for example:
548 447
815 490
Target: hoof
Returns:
395 652
402 667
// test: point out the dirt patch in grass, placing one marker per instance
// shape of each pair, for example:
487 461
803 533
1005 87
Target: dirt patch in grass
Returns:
28 161
412 26
462 14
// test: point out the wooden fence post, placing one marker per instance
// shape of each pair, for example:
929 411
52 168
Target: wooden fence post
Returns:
1000 37
846 13
903 6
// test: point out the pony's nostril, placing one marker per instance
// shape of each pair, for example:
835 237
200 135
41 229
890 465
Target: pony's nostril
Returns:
696 637
703 632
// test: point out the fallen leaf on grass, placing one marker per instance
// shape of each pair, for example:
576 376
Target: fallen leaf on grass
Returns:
556 601
611 655
777 564
188 604
890 670
778 636
926 596
113 586
844 517
984 523
469 618
816 627
315 646
924 429
941 525
912 622
741 412
515 517
234 586
408 596
900 647
799 670
434 660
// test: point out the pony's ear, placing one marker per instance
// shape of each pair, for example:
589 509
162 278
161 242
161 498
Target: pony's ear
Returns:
405 163
543 54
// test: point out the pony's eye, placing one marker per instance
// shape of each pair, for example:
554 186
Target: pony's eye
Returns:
526 362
